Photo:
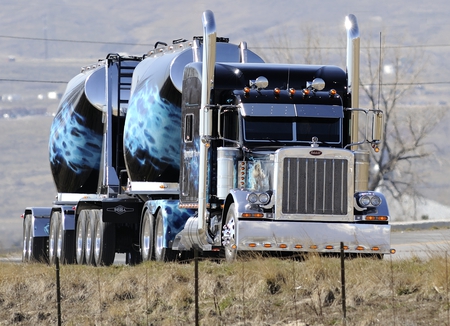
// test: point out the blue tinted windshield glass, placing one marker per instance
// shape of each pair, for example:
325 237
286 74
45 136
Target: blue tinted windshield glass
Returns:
265 129
325 129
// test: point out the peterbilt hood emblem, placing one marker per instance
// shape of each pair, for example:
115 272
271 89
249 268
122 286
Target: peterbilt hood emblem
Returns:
315 152
120 210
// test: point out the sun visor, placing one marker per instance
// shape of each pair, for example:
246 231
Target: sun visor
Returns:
291 110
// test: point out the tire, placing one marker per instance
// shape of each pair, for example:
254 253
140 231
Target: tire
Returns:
90 237
104 248
36 247
65 245
53 250
161 253
148 237
80 238
133 258
229 234
26 238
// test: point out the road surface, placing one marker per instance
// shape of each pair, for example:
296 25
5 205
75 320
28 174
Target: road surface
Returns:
420 243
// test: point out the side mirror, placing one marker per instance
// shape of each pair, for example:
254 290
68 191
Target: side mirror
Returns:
377 126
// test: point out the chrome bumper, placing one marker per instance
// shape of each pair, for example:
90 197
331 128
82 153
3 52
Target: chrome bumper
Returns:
312 237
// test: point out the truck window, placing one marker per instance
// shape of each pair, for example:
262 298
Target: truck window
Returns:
230 125
325 129
268 129
188 128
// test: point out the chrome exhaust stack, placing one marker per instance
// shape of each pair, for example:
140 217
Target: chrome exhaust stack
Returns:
194 234
353 54
208 65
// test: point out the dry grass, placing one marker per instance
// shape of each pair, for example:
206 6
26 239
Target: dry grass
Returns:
263 291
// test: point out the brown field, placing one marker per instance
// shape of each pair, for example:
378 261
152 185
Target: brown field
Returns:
263 291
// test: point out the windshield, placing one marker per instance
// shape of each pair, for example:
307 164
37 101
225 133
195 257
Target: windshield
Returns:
298 129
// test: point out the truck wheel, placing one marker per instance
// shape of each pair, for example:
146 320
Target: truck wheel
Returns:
65 246
36 246
53 249
161 253
26 238
147 236
80 238
133 258
229 235
105 241
90 238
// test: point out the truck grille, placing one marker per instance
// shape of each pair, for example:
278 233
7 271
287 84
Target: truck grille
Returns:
314 186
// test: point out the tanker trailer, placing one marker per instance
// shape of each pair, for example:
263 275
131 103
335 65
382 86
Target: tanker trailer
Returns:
85 151
152 138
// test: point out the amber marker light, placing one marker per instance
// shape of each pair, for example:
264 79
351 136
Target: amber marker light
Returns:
252 245
345 247
370 218
276 91
329 247
360 248
247 214
291 91
382 218
298 246
313 247
267 245
306 91
283 246
333 92
376 248
246 90
393 251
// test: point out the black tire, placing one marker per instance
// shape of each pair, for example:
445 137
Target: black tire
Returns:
38 249
26 238
133 258
229 234
105 241
53 250
90 238
147 237
65 244
80 238
37 246
162 253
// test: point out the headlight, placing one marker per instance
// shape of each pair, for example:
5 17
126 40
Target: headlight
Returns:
364 201
375 200
258 198
264 198
252 198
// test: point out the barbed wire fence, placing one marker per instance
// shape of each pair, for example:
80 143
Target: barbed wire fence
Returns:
294 290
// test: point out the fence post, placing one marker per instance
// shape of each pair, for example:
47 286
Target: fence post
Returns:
344 308
58 291
196 285
446 282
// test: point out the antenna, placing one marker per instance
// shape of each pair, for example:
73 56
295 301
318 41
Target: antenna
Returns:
379 77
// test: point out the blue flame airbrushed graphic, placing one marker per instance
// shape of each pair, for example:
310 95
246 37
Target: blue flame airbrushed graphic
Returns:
152 135
174 218
72 143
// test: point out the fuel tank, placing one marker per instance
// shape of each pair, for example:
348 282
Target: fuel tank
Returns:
75 142
152 132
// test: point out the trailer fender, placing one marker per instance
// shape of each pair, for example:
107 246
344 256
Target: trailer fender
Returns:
40 220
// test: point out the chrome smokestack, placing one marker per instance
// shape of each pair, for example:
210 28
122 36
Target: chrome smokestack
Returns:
353 53
209 62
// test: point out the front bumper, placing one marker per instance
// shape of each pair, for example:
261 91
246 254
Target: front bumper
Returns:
320 237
